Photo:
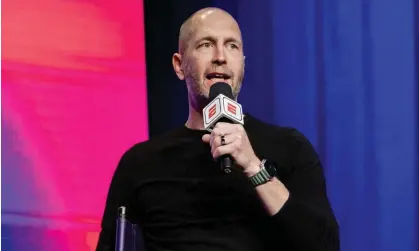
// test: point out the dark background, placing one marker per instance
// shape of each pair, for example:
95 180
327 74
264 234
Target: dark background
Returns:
167 96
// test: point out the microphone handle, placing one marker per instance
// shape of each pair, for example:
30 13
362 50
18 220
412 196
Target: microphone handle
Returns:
226 163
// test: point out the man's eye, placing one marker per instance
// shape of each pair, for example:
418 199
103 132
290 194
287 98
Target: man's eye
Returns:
205 45
233 46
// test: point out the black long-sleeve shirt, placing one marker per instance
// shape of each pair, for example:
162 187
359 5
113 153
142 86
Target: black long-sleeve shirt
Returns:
180 198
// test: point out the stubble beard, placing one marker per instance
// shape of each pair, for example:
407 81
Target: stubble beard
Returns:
197 95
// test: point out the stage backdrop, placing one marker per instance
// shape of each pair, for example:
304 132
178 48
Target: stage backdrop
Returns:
73 100
344 72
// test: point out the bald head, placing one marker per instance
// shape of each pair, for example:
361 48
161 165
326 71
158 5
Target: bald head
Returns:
210 42
198 20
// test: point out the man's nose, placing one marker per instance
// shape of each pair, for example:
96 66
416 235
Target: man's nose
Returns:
219 56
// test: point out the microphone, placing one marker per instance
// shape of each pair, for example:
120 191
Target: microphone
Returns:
222 108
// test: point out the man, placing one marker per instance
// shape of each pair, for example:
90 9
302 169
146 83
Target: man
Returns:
175 191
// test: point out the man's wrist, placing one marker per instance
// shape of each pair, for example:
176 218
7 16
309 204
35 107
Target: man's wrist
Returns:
253 168
267 171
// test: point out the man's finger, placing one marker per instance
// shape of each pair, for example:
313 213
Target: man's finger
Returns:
224 129
222 150
228 139
206 138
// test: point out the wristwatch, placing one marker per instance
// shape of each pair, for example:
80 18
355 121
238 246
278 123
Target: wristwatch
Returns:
266 173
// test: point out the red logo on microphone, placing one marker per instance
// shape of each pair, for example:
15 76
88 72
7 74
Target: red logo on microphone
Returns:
212 111
231 108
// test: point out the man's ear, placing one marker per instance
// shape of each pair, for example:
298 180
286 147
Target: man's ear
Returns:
177 65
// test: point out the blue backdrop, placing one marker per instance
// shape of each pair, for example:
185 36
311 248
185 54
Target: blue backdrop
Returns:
344 72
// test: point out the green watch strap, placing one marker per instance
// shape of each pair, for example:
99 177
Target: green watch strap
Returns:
261 177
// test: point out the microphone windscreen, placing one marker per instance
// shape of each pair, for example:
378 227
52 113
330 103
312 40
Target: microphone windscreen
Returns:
220 88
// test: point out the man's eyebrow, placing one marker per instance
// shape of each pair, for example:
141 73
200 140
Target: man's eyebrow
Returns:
208 38
213 39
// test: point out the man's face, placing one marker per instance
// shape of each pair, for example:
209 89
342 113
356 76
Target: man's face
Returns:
214 54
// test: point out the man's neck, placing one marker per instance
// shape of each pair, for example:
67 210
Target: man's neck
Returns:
195 120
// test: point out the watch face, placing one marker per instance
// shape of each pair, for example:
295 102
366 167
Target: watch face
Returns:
270 167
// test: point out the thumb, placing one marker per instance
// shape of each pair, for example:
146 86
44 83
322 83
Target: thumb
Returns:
206 138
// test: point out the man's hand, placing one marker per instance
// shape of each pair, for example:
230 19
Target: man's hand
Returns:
273 194
236 144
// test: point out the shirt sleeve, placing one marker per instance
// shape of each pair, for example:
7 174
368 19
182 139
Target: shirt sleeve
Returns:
306 220
119 194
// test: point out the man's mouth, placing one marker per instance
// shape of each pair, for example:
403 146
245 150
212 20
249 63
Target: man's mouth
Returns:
217 76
